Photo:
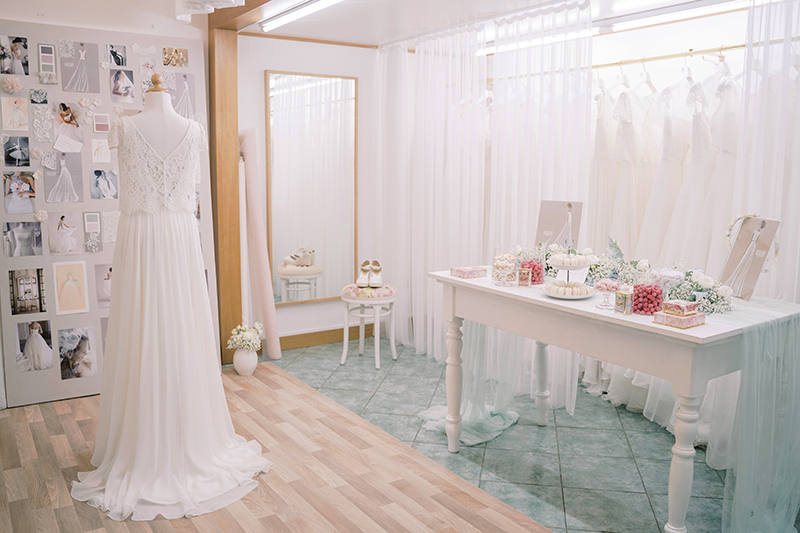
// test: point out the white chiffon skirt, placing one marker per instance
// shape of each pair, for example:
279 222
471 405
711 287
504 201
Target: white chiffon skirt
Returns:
165 441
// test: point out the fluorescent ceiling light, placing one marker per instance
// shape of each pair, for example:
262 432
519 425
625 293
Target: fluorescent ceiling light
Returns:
665 16
289 11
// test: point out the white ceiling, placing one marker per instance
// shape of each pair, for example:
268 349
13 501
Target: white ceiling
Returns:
378 22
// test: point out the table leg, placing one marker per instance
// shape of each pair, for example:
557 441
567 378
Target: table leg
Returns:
377 330
453 379
346 331
313 289
681 471
284 292
391 331
361 311
541 365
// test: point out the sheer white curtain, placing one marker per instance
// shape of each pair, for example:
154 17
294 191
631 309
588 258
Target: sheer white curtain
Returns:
313 164
541 133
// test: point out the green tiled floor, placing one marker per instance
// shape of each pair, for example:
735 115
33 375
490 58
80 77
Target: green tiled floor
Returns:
603 470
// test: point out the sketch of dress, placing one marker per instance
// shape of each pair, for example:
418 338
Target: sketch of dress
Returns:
23 235
36 349
79 81
63 240
16 119
739 275
64 191
106 188
101 153
18 202
184 105
69 297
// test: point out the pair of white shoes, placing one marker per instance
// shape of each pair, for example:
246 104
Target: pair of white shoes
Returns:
301 257
370 274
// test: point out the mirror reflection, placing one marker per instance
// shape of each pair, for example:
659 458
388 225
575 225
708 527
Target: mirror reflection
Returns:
312 184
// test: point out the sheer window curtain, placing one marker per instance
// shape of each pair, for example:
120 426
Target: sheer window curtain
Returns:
313 122
478 167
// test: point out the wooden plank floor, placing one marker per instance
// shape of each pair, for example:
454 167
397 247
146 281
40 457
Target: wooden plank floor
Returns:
332 471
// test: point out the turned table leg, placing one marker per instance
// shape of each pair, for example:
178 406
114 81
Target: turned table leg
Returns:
453 382
681 471
541 367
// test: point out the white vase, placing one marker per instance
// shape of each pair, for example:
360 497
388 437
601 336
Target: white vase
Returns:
245 361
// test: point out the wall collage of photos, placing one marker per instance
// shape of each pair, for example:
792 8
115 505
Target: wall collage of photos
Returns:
60 90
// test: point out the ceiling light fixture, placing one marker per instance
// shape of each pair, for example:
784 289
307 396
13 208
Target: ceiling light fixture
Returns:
184 9
291 10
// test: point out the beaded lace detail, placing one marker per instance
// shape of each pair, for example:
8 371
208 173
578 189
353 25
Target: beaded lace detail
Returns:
149 184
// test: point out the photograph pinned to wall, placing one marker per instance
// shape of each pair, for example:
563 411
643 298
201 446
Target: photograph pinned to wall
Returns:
27 291
116 55
17 152
22 239
147 67
20 189
110 222
176 57
92 240
183 97
13 55
67 128
103 185
750 250
146 86
559 222
34 346
65 237
77 353
15 113
102 279
81 72
102 122
70 282
47 65
63 184
38 96
122 91
100 151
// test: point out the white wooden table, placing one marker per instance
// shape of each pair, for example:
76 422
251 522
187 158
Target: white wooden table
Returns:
687 358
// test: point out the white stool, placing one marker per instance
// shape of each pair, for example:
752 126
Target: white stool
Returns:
296 279
381 300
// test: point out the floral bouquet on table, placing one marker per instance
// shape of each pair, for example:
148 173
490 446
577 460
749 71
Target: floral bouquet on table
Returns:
713 296
246 338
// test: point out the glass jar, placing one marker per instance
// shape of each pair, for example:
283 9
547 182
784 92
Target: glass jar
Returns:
504 266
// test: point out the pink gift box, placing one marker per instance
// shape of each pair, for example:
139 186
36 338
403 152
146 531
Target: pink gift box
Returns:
468 272
680 307
677 321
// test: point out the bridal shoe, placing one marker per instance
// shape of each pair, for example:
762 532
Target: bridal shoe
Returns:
375 280
302 257
364 277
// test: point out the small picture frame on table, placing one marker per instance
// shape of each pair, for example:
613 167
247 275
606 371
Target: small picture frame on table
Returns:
524 277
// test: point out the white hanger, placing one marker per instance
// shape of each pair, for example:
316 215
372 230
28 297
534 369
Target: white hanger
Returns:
622 79
686 72
644 79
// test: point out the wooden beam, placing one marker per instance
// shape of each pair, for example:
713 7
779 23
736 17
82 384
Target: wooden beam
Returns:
236 18
224 144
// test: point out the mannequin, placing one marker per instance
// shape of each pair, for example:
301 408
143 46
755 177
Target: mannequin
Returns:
160 125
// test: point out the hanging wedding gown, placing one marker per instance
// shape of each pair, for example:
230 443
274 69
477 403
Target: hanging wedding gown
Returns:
16 118
605 172
676 139
63 191
710 244
683 224
79 81
37 351
165 441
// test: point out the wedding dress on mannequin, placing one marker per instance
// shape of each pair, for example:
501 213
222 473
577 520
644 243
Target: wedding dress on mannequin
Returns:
165 440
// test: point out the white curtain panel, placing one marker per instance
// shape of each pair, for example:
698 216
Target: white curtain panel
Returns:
540 150
313 164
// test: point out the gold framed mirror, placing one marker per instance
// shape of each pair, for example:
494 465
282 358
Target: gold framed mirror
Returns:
312 184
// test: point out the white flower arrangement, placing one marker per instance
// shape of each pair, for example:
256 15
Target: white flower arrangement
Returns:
119 110
96 103
40 215
105 65
11 85
246 338
83 102
717 296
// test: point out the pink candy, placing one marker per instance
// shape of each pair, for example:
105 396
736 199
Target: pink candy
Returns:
606 285
537 271
647 299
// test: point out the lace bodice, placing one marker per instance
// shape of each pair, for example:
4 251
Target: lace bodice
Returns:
148 183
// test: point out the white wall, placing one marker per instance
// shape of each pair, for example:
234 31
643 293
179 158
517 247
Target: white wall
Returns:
258 54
